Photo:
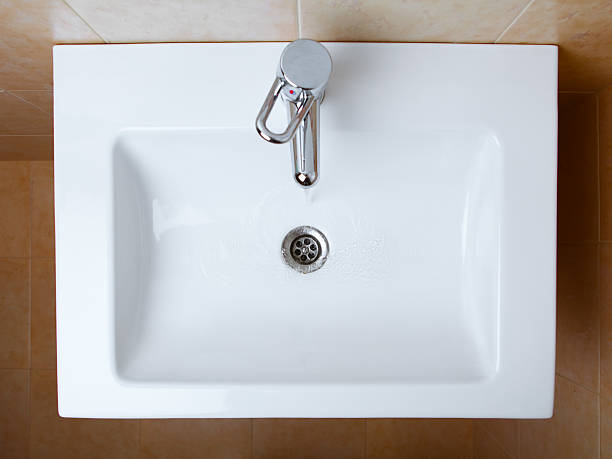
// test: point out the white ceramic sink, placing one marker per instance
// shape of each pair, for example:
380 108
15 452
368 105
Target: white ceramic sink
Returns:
437 196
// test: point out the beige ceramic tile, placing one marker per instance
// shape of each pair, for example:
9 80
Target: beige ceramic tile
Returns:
19 117
415 20
43 225
605 162
606 428
577 212
14 209
26 147
14 275
190 20
13 414
54 437
577 314
573 431
485 447
195 438
308 438
14 312
41 99
582 28
505 432
422 438
42 329
29 29
605 282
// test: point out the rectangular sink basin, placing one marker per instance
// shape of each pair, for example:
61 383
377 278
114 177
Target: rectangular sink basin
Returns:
437 197
202 295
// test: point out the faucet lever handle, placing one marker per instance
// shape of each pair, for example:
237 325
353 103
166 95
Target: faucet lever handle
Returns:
266 109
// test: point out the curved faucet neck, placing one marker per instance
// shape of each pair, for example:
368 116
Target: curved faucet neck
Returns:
302 76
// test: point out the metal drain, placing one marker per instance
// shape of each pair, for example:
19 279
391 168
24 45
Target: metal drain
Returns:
305 249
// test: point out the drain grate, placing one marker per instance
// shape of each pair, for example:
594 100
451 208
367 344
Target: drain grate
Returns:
305 249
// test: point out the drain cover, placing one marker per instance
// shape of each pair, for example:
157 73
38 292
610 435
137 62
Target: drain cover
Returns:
305 249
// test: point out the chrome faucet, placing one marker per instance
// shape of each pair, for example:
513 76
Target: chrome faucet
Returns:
303 72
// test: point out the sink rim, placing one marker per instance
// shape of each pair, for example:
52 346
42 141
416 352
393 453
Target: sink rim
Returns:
523 388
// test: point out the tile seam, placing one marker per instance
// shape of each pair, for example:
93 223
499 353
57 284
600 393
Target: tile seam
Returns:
495 440
514 21
582 386
576 243
569 91
518 434
598 427
29 412
299 17
139 449
99 35
597 152
32 104
365 438
31 204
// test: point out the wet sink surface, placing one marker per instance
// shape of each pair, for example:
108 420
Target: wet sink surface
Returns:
199 272
437 297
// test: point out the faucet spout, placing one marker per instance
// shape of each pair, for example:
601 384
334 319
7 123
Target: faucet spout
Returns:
302 76
305 146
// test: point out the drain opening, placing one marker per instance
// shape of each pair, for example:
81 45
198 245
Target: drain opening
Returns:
305 249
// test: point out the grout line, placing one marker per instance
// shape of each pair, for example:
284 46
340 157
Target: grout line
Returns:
27 258
518 433
598 426
299 17
525 8
14 369
12 93
29 385
575 243
30 301
65 2
473 441
597 163
15 258
599 319
30 205
576 92
597 168
29 411
139 438
45 368
365 446
576 383
29 103
492 437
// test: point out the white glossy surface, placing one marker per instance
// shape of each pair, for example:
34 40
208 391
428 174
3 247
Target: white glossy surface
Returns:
437 196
